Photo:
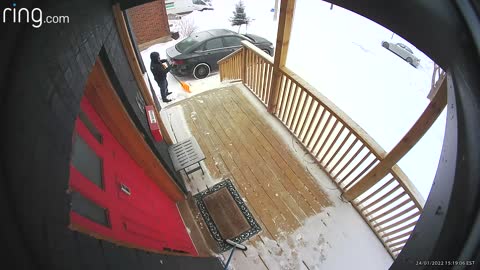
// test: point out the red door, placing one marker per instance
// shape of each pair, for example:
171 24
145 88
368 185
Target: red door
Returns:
112 196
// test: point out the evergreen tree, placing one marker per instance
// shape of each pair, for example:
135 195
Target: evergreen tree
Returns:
239 16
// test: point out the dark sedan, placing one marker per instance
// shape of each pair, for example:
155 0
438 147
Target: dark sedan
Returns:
199 53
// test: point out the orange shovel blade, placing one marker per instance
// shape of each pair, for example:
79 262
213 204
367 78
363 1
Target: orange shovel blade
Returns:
185 86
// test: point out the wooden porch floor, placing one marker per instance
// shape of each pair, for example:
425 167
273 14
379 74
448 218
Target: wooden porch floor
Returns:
303 226
239 144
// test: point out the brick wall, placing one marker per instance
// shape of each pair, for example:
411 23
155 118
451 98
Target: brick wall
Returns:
149 21
47 69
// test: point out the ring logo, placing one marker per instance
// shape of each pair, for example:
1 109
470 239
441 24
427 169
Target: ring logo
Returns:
34 16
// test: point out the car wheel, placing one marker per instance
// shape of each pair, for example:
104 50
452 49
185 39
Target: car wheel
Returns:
201 71
409 60
385 44
266 51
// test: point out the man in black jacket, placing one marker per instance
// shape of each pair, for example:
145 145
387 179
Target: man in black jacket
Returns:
160 68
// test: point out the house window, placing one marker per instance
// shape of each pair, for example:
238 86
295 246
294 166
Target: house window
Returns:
90 126
88 209
86 161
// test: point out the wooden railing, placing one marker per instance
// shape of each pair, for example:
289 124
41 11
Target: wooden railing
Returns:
340 147
231 66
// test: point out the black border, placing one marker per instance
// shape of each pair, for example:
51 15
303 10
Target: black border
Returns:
254 226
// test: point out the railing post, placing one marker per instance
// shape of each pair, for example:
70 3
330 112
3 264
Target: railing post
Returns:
287 8
424 122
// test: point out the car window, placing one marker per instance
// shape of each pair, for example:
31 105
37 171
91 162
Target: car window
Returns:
212 44
190 41
185 44
232 41
403 46
199 48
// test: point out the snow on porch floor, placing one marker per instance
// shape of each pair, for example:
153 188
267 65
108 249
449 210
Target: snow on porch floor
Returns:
305 223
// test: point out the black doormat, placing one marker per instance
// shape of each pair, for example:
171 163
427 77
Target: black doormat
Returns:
226 215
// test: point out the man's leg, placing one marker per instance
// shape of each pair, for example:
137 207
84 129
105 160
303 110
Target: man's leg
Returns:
166 87
163 90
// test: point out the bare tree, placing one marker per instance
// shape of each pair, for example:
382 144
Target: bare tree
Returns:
186 26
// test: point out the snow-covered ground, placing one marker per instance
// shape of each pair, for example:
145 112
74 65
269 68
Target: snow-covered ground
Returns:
340 53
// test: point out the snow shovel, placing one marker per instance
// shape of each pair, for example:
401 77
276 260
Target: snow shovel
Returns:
184 85
235 246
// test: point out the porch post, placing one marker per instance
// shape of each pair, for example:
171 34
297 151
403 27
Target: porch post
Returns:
287 8
424 122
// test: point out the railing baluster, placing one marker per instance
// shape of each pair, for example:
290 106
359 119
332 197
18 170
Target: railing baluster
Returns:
267 82
381 198
397 249
294 106
392 245
249 69
270 82
362 172
317 126
349 134
303 99
332 144
404 202
396 216
380 207
376 191
254 75
299 129
335 123
235 65
349 161
404 227
310 124
286 90
398 237
288 103
343 157
354 169
263 71
323 131
257 77
281 94
403 220
260 81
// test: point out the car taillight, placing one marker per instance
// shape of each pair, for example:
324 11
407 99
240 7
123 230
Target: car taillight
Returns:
177 62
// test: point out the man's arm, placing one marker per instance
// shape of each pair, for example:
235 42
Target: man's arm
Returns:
164 69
